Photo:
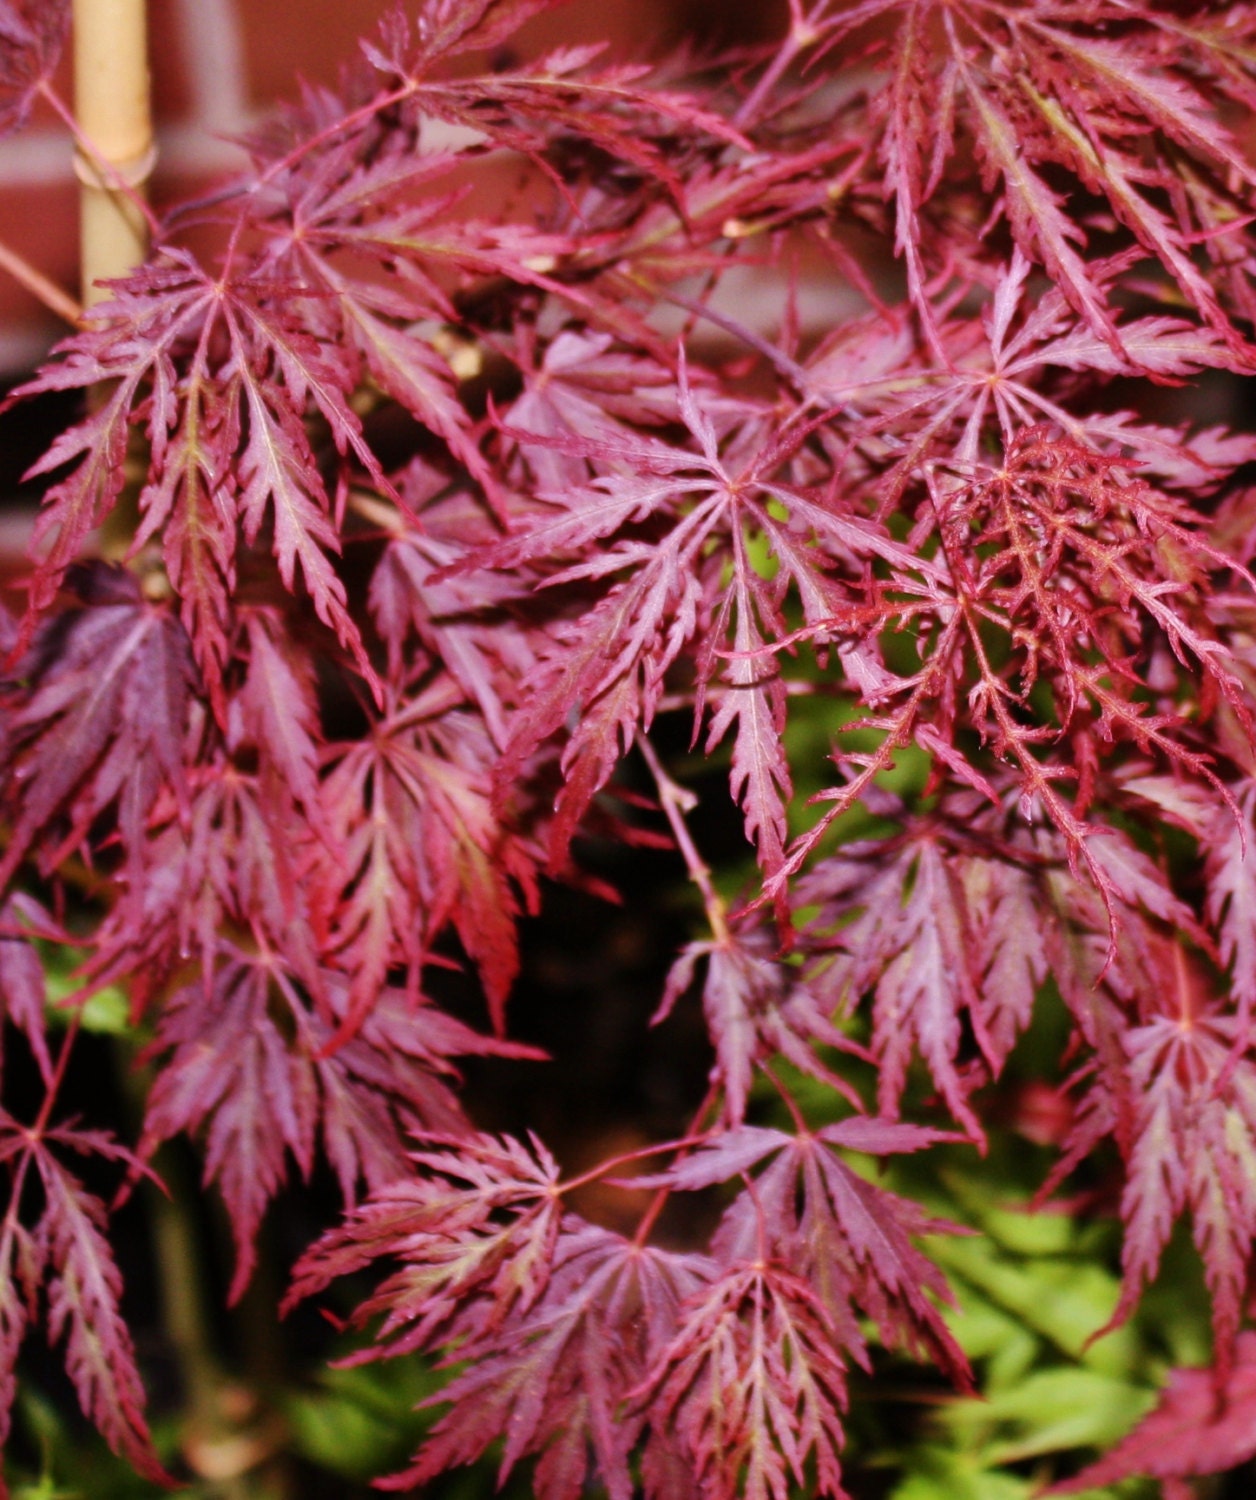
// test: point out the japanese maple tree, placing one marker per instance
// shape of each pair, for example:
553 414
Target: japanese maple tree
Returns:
843 381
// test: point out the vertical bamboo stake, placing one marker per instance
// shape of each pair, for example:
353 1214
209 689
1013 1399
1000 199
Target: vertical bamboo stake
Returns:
112 106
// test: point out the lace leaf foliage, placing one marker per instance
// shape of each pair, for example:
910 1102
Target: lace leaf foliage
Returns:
103 724
66 1255
229 453
714 509
23 987
850 1239
248 1061
561 1377
755 1010
1199 1426
430 850
32 34
1232 897
475 1234
1066 559
945 885
1193 1151
847 421
759 1335
1114 116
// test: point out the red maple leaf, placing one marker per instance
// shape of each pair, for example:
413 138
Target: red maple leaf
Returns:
32 34
474 1227
558 1378
103 724
66 1252
418 844
248 1061
1204 1423
755 1009
229 451
1113 116
852 1240
753 1386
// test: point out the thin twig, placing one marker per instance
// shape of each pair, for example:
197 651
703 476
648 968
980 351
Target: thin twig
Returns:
676 801
48 292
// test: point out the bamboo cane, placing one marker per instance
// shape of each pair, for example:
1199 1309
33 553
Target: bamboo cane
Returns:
116 152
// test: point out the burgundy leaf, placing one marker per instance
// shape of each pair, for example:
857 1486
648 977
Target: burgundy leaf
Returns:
754 1386
556 1380
238 856
250 1063
84 1289
1202 1424
393 1079
849 1237
102 725
232 1071
129 345
1195 1140
32 33
1069 104
474 1227
419 845
279 715
1232 896
864 405
755 1009
23 992
21 1270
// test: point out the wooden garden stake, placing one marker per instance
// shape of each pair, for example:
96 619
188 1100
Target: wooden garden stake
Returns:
116 151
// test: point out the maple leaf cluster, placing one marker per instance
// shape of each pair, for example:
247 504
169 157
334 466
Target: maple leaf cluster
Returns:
817 385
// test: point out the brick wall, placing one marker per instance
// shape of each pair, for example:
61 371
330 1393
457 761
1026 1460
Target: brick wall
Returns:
217 65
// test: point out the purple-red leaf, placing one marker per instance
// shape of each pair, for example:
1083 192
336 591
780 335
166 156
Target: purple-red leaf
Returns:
1204 1423
753 1386
849 1237
474 1226
84 1289
418 845
23 991
32 33
103 723
755 1009
231 1069
556 1380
